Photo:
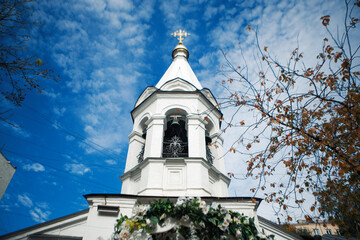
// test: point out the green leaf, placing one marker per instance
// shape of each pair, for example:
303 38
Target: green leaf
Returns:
213 221
154 220
232 229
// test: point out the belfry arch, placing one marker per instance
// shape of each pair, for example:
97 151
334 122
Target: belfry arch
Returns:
175 140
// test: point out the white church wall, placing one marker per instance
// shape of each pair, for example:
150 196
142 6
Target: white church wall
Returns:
76 229
175 176
197 178
126 185
246 207
101 224
223 185
73 225
152 182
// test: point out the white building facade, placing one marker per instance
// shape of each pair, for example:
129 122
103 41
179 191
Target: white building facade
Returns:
174 150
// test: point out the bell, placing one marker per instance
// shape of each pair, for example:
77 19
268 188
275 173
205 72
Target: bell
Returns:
175 121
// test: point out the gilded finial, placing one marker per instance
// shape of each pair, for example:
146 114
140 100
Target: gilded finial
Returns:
180 33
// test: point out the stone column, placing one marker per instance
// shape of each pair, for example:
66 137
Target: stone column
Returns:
196 136
136 142
154 137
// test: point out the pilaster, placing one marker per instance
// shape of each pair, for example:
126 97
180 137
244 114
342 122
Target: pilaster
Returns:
196 137
154 136
136 142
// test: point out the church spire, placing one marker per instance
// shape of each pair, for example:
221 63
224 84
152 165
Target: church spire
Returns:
180 67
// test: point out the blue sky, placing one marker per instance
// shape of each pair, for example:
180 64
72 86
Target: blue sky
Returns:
73 137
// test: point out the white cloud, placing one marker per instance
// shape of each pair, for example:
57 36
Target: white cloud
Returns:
69 138
36 167
39 215
43 205
120 5
105 114
40 211
212 11
77 168
93 6
56 125
5 207
50 92
59 111
110 162
25 200
100 68
21 132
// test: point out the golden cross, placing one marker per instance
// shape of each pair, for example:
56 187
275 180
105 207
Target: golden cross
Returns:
181 34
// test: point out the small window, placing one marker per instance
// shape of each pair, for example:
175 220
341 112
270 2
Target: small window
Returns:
316 232
328 231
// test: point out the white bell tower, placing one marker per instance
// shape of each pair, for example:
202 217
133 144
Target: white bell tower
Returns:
175 147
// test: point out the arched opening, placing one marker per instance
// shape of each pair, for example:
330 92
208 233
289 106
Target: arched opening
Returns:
175 142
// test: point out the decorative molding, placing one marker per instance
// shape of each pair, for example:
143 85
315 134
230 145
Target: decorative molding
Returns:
178 84
155 118
145 94
134 134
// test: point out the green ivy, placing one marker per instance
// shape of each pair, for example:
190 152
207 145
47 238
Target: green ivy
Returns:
194 220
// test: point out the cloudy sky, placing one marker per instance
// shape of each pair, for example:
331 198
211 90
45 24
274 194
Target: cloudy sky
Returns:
73 137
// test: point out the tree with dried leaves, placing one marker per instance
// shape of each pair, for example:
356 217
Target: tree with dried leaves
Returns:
309 119
19 72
